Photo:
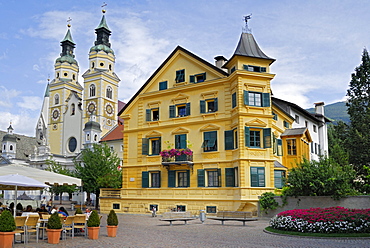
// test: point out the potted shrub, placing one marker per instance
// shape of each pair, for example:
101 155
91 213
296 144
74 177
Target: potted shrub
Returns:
93 225
78 211
112 224
54 228
7 226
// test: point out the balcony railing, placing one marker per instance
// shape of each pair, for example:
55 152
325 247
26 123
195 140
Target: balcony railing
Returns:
178 160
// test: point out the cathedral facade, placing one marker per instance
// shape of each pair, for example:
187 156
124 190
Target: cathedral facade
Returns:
75 115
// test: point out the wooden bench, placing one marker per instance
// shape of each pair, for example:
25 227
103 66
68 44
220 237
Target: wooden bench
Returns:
177 216
233 216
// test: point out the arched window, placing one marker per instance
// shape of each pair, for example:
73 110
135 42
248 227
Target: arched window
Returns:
87 136
92 65
4 147
73 109
109 92
95 137
56 99
11 147
92 90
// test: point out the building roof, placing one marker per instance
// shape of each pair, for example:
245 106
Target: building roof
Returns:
178 48
103 23
294 131
277 164
116 133
248 47
25 145
68 37
285 105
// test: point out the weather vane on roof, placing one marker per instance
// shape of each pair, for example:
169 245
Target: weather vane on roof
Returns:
69 22
246 18
103 10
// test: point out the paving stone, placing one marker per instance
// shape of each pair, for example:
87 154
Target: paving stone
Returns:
146 231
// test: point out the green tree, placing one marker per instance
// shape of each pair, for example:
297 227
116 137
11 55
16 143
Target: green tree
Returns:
359 111
98 168
320 178
53 166
337 141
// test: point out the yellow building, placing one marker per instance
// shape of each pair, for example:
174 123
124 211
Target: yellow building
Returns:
225 115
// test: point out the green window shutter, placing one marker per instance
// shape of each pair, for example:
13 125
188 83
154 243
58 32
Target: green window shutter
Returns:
279 147
267 137
216 104
171 178
229 140
229 177
145 179
263 69
254 177
219 177
286 124
245 67
145 146
159 179
265 99
148 113
192 79
233 99
188 108
204 76
188 178
261 177
202 106
180 141
257 177
160 144
172 111
246 97
247 137
201 177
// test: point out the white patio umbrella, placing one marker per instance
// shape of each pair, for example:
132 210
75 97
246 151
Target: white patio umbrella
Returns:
18 182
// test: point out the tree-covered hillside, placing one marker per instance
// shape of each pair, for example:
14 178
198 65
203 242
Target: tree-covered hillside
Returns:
335 111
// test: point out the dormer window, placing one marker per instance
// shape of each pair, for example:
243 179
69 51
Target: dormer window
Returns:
254 68
180 76
197 78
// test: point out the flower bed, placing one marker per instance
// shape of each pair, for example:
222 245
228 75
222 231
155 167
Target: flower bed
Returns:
323 220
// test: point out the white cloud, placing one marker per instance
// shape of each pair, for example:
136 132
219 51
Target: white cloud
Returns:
22 123
6 96
36 68
30 102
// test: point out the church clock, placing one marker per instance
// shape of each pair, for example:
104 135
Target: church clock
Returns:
91 107
55 114
109 109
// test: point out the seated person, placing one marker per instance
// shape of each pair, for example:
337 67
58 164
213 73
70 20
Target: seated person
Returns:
28 209
63 211
87 212
43 210
55 209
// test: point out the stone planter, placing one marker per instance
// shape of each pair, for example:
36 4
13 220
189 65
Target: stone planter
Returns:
112 231
53 235
93 232
6 239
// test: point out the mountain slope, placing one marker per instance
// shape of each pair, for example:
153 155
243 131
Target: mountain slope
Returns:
335 111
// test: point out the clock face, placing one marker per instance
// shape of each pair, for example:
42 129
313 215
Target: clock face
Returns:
55 114
91 107
109 109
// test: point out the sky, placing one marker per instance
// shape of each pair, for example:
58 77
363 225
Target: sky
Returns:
317 44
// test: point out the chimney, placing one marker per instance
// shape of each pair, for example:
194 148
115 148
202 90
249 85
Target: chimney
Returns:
220 61
319 108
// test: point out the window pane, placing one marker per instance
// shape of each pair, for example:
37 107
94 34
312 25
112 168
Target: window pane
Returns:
212 179
182 179
155 147
255 138
155 179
